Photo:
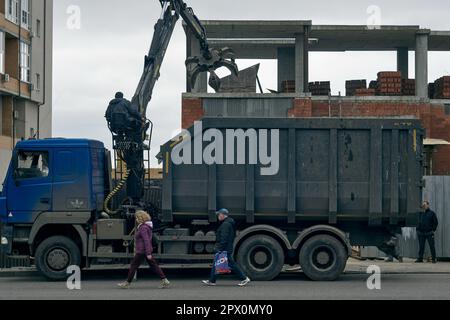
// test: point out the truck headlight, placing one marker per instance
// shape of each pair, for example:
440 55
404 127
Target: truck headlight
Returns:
4 241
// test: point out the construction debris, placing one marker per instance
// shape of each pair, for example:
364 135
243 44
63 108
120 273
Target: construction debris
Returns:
244 82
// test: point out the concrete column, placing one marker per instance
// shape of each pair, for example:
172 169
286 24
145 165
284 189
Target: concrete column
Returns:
300 63
193 49
306 59
286 65
422 63
402 62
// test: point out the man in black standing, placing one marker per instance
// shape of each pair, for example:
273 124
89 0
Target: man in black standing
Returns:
225 236
428 224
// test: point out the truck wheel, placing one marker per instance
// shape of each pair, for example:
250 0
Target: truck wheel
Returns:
261 258
323 258
54 255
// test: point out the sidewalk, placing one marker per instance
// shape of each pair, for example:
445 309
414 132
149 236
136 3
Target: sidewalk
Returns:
407 267
354 266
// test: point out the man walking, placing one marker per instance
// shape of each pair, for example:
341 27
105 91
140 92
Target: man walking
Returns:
225 236
428 224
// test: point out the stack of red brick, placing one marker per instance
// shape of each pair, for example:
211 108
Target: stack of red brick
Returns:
389 83
352 85
409 87
288 86
442 88
365 92
320 88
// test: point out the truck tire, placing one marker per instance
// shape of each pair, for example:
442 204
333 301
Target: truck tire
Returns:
323 258
261 258
54 255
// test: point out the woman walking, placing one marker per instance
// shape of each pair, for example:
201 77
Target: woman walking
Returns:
144 250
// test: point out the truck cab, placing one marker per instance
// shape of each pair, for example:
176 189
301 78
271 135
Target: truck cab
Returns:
50 182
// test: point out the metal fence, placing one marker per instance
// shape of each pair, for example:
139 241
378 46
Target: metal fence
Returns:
437 191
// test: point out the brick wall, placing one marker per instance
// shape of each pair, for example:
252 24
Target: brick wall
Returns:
192 110
302 108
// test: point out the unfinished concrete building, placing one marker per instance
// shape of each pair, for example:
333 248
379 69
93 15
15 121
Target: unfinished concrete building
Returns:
290 42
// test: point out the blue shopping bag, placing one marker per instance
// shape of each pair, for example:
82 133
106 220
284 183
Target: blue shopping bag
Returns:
221 263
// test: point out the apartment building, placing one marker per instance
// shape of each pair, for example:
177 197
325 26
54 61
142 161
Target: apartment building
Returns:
25 73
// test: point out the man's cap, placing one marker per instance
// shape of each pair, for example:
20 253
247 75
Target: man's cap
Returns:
223 211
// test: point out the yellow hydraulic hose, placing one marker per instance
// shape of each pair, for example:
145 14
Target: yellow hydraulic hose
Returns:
114 192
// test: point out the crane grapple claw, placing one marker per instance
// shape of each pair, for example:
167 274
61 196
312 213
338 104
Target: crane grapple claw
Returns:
210 61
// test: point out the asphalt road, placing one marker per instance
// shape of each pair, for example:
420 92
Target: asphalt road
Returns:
187 286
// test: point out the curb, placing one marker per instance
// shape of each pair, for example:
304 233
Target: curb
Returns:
402 273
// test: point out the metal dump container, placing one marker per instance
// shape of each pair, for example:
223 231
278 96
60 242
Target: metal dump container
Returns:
331 170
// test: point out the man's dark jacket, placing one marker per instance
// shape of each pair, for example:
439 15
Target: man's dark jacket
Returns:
225 236
121 105
428 222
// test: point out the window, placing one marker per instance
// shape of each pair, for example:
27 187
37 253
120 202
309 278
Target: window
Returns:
18 11
25 7
12 10
24 62
31 165
2 52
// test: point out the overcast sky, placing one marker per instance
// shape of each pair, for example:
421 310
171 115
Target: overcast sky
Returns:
106 53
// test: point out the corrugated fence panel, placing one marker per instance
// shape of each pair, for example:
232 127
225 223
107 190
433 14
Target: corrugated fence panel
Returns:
446 218
437 191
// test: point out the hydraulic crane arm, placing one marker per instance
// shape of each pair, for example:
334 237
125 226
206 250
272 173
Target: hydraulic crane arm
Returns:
209 61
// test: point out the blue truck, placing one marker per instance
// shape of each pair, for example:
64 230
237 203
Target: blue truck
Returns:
359 187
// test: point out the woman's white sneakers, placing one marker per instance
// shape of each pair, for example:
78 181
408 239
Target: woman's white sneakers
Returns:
124 285
165 284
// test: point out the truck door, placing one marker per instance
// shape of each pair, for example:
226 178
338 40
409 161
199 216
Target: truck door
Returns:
29 188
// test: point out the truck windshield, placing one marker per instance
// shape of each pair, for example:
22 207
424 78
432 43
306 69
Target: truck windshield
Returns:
32 164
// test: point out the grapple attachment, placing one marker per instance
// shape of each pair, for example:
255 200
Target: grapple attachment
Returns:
210 62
